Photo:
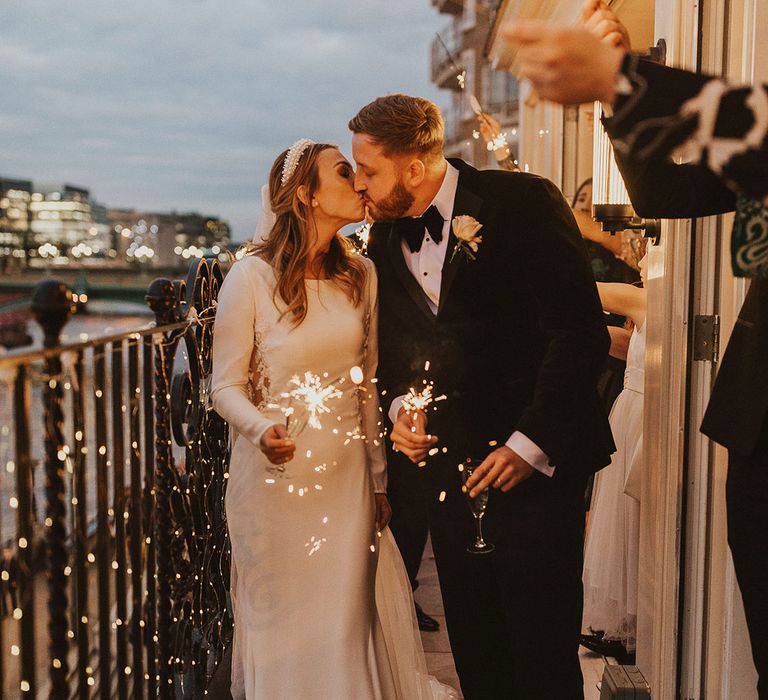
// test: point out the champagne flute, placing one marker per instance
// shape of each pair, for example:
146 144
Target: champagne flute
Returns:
478 506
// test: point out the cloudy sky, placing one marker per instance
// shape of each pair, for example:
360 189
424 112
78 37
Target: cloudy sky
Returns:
184 104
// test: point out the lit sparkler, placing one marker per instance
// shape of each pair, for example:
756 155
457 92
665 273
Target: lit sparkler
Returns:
415 401
499 140
311 397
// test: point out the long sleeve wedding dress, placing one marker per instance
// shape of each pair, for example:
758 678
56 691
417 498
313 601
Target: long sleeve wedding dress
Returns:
321 600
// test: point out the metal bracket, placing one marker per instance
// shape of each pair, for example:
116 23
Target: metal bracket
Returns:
706 338
658 53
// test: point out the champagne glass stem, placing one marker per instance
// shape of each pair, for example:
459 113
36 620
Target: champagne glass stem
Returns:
479 521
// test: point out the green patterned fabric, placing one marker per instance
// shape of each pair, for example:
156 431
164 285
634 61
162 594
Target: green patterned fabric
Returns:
749 240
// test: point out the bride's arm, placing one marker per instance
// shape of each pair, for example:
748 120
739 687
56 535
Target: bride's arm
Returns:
233 342
372 417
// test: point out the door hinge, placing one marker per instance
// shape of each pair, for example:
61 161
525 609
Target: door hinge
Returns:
706 338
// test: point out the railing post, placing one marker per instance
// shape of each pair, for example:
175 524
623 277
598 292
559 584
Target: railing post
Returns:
161 298
52 307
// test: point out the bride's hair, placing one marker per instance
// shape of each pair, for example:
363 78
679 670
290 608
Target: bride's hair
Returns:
286 247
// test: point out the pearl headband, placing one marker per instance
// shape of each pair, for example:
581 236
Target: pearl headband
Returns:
293 157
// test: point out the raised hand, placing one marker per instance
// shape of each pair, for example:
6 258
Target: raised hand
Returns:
503 469
603 23
565 65
276 444
409 435
489 127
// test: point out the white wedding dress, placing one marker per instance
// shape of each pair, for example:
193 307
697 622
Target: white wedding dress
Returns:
321 601
612 548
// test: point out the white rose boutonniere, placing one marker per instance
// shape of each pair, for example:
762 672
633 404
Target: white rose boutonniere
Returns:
465 229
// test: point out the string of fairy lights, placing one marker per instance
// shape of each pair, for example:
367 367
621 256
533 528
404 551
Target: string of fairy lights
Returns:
68 380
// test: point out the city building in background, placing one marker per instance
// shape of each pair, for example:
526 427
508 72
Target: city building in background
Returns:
15 196
166 239
63 228
49 225
460 50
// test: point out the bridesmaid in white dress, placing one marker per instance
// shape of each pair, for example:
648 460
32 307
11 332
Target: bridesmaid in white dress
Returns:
611 553
321 600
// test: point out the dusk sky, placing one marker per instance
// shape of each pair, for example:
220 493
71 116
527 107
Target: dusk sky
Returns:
184 104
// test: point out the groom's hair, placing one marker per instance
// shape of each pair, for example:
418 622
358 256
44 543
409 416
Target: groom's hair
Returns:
402 125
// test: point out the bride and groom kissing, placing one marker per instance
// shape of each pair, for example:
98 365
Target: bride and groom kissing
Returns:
482 277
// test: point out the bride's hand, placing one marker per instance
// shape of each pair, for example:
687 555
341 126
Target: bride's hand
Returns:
383 511
277 446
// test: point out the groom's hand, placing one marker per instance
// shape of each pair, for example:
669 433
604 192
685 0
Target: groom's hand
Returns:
503 469
409 435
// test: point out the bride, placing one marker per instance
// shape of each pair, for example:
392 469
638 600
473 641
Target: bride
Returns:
321 599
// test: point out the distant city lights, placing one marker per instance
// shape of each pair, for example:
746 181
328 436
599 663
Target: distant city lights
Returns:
60 224
48 250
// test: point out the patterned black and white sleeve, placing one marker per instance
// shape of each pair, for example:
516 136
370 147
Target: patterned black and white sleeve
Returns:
674 114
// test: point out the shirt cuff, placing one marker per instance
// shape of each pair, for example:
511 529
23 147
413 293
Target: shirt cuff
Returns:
530 452
394 408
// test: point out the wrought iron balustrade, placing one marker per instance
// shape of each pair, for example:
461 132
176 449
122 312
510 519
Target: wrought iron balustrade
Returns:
114 577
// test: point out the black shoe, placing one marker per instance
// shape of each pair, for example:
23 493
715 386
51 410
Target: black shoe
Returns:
426 623
596 643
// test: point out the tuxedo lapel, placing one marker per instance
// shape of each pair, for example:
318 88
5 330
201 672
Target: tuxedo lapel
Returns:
395 252
466 203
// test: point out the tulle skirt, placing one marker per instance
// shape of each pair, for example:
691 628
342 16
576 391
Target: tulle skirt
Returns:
397 617
611 552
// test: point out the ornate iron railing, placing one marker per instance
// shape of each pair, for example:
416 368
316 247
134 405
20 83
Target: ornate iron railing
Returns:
114 579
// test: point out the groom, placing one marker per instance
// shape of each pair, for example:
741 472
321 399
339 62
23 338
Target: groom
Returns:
508 320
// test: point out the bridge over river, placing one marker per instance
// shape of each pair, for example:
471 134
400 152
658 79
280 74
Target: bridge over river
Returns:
97 283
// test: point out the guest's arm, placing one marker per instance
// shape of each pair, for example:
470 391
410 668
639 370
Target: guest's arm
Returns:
706 121
623 299
619 342
659 112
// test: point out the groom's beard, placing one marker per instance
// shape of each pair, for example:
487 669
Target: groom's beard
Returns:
393 206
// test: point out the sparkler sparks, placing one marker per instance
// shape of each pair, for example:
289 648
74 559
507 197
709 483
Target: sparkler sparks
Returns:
314 544
498 140
312 398
415 401
419 400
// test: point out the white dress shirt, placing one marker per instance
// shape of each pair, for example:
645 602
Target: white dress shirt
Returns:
426 265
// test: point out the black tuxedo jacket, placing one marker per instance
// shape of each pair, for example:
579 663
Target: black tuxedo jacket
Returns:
646 129
519 338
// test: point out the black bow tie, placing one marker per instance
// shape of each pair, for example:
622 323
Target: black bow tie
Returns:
412 229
